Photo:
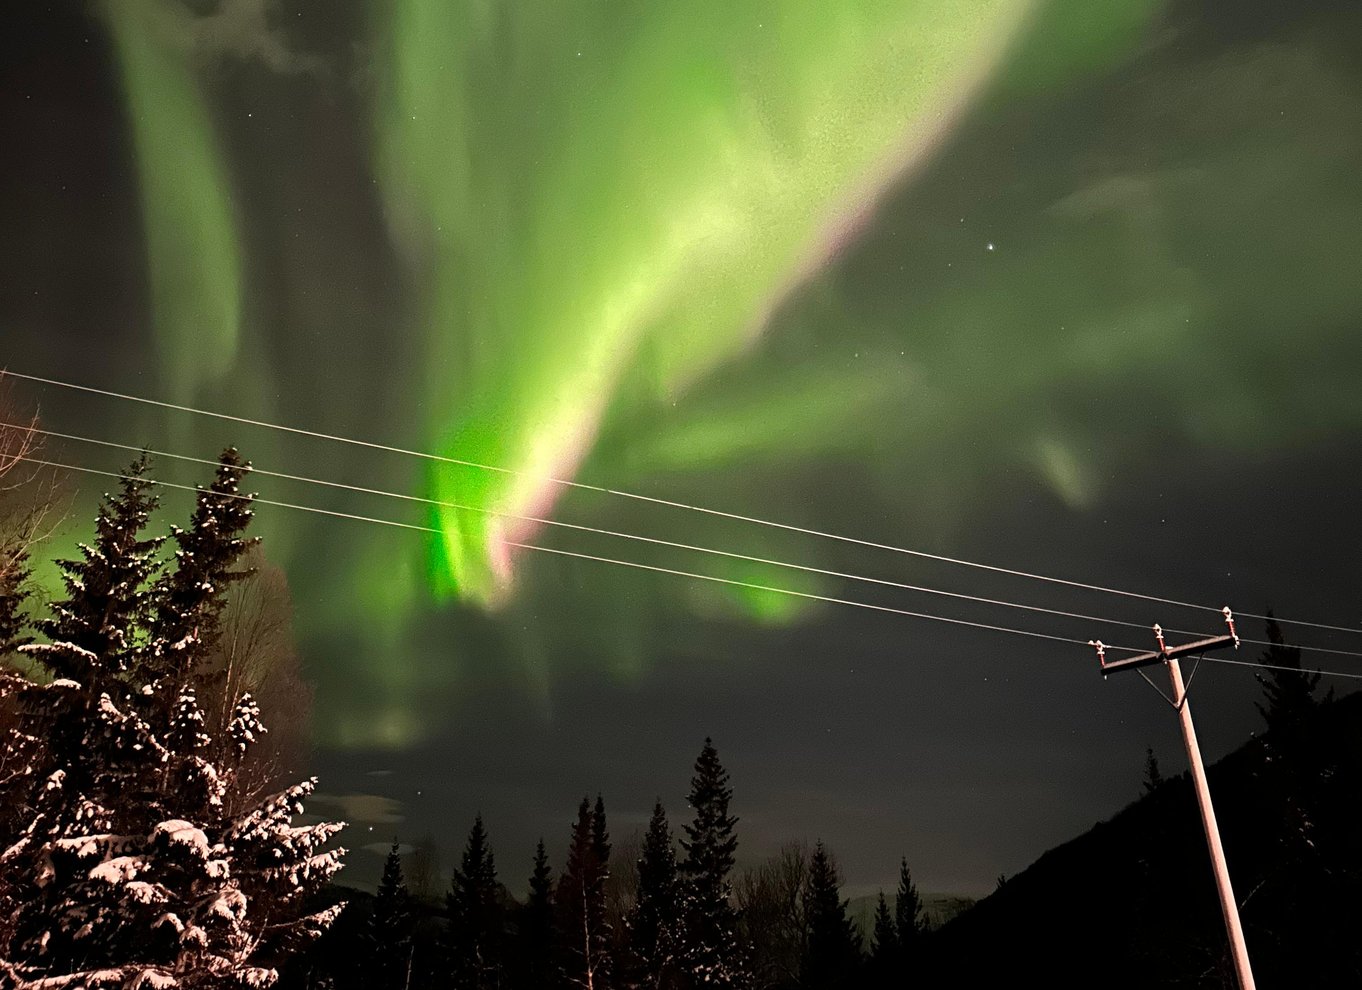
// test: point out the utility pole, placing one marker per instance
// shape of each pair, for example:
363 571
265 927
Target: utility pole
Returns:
1168 656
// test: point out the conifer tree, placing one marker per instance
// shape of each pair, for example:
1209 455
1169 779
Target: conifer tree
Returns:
191 597
1296 767
109 597
125 869
388 935
1288 692
473 937
1296 785
1153 777
600 837
710 951
535 968
613 919
91 638
14 574
652 928
583 931
834 947
910 917
884 963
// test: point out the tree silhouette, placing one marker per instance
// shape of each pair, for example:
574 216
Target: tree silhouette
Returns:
833 954
652 925
910 917
473 935
710 952
884 963
583 932
1288 692
388 935
535 960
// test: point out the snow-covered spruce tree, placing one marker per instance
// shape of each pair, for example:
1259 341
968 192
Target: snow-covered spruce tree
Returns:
131 873
192 596
97 633
652 927
73 709
108 595
583 931
711 954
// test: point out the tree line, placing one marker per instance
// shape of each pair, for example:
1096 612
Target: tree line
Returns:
682 917
628 920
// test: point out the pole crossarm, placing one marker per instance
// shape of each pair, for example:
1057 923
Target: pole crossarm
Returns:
1170 653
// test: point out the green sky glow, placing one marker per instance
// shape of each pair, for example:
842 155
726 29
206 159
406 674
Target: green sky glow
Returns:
865 265
1065 286
192 252
609 199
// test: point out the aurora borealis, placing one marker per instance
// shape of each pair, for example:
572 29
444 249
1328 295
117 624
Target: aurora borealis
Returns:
972 277
192 248
690 164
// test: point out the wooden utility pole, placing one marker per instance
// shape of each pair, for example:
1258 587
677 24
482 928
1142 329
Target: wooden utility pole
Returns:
1168 656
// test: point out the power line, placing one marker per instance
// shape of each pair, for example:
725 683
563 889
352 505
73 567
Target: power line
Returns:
805 568
1273 666
683 573
255 499
808 569
650 499
1296 622
1308 649
803 594
628 536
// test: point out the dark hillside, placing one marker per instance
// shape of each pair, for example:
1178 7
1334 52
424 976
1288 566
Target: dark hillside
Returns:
1131 903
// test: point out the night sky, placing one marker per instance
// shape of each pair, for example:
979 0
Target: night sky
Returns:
1070 287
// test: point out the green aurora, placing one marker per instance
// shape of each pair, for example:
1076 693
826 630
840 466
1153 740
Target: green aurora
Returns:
192 246
612 221
655 247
